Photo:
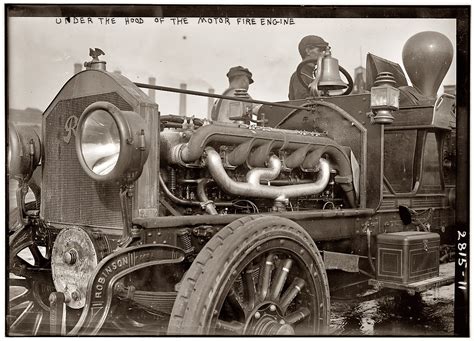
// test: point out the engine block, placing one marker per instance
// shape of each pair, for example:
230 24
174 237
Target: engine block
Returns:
242 168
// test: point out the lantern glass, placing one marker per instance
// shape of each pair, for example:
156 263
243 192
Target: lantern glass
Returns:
384 97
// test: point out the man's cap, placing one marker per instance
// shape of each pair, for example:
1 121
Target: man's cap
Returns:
239 70
310 41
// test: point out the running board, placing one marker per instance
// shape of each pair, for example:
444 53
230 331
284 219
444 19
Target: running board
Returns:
446 276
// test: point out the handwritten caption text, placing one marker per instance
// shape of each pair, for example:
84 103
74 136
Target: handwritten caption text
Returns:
175 21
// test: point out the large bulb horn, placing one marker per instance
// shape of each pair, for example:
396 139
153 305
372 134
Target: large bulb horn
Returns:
427 57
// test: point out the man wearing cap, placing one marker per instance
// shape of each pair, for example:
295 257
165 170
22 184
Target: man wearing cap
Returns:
310 47
240 79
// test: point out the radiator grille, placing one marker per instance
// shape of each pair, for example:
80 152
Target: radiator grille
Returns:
69 195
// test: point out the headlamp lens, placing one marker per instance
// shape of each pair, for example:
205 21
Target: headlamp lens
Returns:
100 142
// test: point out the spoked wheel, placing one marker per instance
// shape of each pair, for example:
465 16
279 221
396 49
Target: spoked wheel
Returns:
257 276
30 284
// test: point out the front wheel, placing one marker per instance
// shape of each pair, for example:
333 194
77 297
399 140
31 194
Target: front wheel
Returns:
256 276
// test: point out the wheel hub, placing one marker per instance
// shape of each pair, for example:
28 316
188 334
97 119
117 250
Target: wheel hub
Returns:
268 320
269 325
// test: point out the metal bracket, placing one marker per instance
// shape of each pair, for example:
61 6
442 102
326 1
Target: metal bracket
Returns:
57 314
126 194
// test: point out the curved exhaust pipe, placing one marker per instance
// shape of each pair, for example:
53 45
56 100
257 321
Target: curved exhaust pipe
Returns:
256 175
253 187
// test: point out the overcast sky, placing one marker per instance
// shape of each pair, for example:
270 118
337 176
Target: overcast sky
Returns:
42 53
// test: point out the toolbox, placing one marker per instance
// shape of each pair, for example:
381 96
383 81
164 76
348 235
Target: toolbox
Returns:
407 257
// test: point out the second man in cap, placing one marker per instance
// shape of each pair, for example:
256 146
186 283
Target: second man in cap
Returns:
240 79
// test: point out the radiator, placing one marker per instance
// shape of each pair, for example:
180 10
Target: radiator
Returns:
69 195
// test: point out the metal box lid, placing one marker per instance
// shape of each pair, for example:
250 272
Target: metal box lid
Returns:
406 237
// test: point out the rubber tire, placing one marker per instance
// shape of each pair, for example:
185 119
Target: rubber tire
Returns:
223 252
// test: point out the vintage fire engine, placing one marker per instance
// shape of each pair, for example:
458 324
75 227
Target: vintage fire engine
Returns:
148 224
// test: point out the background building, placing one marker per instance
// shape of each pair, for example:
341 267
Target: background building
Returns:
359 80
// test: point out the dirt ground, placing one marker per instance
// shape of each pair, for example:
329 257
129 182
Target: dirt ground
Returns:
393 313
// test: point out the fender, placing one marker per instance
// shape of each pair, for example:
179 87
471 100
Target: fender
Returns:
100 289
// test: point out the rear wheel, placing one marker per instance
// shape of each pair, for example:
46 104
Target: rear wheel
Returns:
256 276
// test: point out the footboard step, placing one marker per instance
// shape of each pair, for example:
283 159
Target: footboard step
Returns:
446 276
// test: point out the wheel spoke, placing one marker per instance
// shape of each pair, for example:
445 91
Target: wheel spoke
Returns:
18 282
280 279
234 326
234 300
21 262
298 315
37 324
22 316
265 276
249 287
19 299
292 291
37 256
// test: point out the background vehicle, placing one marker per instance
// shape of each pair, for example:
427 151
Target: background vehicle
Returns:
148 223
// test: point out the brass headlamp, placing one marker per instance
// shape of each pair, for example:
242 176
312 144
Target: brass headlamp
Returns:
111 144
24 151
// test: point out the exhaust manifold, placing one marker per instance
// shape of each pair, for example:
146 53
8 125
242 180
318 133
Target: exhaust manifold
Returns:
253 187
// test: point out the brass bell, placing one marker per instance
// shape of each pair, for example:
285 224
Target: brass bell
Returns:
330 77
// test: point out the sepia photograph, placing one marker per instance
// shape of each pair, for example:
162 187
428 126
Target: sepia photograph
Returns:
236 170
